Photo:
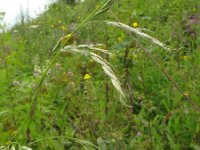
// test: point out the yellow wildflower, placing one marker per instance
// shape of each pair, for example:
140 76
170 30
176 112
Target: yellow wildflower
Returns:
185 58
87 76
194 9
135 24
52 26
120 39
97 6
63 28
8 143
186 93
135 56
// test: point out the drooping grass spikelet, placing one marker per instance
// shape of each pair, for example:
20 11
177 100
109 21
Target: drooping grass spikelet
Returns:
139 32
104 64
95 47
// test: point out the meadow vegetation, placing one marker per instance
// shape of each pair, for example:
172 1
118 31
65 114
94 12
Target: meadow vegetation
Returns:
125 78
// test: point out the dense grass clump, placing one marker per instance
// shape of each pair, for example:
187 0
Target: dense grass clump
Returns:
103 75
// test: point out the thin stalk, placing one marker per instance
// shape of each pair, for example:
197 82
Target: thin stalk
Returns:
150 134
166 74
37 89
127 81
60 44
107 90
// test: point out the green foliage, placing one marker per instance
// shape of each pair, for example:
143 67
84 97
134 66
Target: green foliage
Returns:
73 111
